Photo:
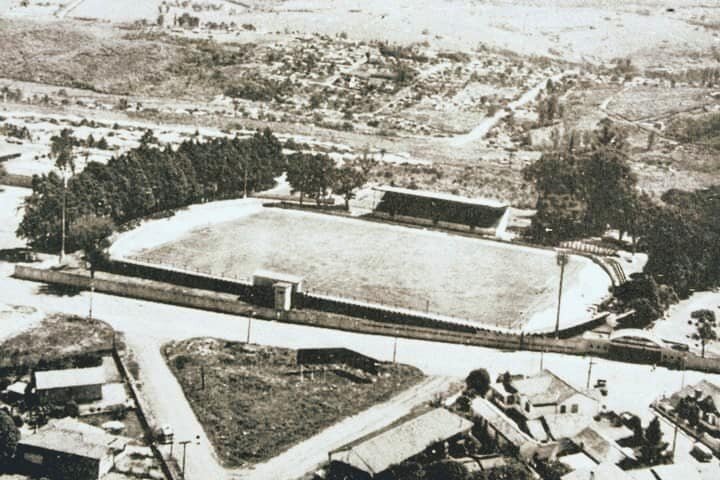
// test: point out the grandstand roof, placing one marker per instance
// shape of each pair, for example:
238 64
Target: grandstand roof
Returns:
484 202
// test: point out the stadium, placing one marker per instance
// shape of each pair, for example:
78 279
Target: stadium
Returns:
455 276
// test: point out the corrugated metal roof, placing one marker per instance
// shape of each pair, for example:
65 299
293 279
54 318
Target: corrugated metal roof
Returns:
391 447
76 438
72 377
484 202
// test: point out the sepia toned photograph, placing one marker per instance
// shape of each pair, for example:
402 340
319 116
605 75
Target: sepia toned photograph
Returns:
359 240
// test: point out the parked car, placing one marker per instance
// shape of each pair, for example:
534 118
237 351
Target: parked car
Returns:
165 434
701 453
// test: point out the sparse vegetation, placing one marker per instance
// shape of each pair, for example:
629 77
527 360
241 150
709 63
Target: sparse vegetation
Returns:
257 403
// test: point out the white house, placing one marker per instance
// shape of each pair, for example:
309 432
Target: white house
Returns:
543 394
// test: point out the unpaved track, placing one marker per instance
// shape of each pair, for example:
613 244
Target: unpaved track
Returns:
487 123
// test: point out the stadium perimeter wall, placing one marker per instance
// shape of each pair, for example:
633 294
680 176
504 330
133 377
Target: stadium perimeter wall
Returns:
392 326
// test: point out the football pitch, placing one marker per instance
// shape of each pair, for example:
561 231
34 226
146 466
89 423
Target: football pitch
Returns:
468 278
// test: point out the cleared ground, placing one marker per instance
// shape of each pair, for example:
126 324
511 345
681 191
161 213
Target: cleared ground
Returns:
257 402
479 280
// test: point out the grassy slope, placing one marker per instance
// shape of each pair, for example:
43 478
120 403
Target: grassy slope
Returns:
254 405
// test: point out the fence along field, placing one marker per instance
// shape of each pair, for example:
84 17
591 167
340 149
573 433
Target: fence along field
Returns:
482 281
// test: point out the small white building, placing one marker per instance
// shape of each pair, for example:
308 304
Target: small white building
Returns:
543 394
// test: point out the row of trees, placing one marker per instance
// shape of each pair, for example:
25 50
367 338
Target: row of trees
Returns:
144 181
587 185
682 239
315 175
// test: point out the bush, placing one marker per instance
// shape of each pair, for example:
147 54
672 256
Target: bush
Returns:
446 470
478 381
72 409
9 437
181 361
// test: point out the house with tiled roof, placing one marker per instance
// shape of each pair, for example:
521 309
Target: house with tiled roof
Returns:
543 394
371 456
69 450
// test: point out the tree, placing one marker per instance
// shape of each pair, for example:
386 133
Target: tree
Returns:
61 149
148 179
653 443
9 437
552 470
90 233
512 470
478 381
148 138
407 470
310 174
706 333
446 470
348 179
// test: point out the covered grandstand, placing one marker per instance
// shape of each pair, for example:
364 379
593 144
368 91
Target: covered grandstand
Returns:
488 217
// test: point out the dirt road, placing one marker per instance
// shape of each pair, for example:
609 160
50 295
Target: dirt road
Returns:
487 123
147 325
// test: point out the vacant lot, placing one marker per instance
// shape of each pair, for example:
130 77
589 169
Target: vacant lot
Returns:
484 281
255 403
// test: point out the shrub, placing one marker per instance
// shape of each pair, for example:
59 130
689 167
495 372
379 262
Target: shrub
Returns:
181 361
478 381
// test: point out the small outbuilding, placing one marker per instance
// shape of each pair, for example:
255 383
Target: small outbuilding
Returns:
81 385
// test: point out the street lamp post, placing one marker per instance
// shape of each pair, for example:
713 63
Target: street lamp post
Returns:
562 260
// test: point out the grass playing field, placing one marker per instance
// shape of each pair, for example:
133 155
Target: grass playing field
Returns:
483 281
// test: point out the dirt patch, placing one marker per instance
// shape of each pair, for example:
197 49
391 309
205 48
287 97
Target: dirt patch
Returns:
255 403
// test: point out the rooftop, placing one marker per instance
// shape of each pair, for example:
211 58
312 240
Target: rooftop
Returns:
706 389
484 202
391 447
544 388
76 438
72 377
600 448
604 471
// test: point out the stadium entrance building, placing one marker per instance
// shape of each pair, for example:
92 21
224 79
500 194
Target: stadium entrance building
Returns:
453 212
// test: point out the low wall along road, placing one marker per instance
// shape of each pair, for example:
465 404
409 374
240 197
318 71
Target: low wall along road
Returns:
387 324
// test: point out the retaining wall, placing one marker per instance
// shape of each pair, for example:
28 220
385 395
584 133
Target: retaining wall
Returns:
392 326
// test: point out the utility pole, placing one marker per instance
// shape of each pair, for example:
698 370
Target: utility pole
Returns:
184 444
587 387
677 417
395 347
62 227
248 330
245 182
562 260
